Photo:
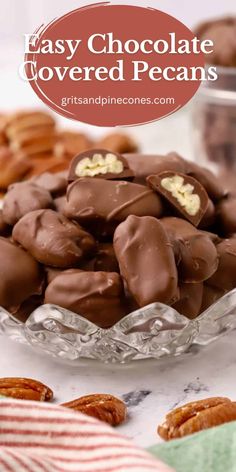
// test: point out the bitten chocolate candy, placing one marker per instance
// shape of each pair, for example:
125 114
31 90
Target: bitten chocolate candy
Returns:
226 216
99 163
52 239
20 276
195 253
183 192
90 201
144 165
225 276
22 198
95 295
190 300
146 260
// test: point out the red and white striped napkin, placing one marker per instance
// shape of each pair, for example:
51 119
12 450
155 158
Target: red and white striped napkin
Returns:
36 437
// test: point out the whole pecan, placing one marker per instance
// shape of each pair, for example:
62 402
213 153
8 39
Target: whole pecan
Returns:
196 416
104 407
25 389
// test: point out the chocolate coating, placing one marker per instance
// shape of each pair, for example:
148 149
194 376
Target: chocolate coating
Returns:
146 260
52 239
96 201
22 198
209 216
5 229
184 193
225 276
222 32
27 307
95 295
145 165
99 163
190 300
210 296
55 183
20 276
195 252
226 216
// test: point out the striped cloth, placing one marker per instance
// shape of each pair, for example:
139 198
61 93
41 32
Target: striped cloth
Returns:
37 437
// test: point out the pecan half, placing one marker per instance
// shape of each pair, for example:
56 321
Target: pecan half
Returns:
196 416
104 407
25 389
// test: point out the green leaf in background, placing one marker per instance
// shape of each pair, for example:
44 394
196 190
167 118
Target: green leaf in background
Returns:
211 450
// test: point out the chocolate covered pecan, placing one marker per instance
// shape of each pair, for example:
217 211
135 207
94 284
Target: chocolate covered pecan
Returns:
195 252
184 193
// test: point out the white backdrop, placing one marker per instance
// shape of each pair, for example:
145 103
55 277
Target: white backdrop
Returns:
24 16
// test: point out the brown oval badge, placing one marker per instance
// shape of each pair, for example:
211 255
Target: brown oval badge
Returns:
111 65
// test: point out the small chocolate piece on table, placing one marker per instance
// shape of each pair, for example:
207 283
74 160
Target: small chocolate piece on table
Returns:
100 163
183 192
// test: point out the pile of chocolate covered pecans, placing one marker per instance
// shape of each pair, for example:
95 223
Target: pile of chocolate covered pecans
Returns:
117 233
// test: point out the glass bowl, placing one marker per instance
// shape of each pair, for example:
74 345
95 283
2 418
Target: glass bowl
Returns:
154 331
214 121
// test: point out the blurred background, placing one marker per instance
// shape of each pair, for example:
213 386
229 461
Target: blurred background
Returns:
23 16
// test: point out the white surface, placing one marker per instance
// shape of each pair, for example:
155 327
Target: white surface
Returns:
211 372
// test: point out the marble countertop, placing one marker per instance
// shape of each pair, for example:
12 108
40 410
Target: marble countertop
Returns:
150 387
